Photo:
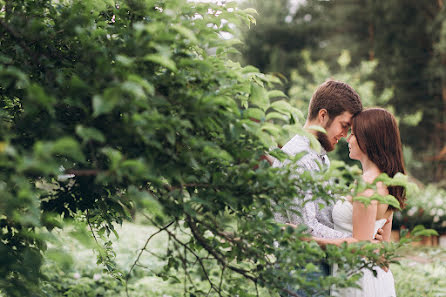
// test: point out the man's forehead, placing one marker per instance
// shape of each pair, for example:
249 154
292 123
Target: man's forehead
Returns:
346 117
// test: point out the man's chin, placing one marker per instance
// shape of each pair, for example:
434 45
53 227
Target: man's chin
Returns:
330 148
325 143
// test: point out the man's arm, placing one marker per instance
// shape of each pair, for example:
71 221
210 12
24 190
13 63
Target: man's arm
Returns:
308 211
318 229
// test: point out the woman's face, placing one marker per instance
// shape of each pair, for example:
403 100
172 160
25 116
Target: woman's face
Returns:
353 147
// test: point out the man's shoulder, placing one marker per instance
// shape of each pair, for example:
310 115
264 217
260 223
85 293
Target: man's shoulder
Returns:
297 144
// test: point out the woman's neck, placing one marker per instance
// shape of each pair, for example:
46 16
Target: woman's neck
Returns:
369 170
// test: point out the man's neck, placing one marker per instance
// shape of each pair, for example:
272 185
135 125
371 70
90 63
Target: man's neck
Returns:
307 126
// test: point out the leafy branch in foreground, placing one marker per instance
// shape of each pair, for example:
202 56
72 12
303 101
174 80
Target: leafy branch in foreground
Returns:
108 110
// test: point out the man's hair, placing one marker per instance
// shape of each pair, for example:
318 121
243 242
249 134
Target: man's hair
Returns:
336 97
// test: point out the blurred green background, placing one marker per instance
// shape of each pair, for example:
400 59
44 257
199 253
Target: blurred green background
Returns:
392 52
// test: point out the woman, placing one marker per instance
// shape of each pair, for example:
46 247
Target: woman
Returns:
375 142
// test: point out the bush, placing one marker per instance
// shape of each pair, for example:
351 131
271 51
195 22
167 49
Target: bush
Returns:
426 207
108 108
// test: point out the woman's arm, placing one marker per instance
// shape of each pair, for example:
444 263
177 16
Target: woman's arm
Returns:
364 218
387 229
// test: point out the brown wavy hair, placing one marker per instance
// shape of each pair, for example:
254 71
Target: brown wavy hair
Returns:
378 136
336 97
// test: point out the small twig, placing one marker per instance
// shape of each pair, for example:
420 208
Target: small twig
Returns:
185 271
91 228
83 172
221 278
214 253
184 260
291 293
140 253
155 255
199 259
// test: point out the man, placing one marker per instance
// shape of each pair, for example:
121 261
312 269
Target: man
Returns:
332 106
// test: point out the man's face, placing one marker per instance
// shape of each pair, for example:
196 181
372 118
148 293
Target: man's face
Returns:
336 129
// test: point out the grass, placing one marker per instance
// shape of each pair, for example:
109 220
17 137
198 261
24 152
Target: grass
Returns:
422 271
82 272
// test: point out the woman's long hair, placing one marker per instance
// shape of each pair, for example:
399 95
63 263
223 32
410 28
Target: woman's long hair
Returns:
378 136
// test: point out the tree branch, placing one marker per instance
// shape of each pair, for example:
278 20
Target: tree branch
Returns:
199 259
214 253
83 172
140 253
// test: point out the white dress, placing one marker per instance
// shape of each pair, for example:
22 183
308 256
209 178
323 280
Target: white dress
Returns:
383 285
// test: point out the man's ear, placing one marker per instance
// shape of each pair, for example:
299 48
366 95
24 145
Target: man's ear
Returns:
323 117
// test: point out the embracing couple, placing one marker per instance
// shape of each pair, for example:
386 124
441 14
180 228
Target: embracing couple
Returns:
374 141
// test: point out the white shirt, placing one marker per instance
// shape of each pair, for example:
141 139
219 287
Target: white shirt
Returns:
319 221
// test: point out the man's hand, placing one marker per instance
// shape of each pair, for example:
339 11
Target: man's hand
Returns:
379 234
378 239
291 225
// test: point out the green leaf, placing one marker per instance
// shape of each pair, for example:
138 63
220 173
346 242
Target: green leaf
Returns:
250 11
277 116
249 69
259 97
387 199
217 153
82 234
148 87
185 32
88 134
161 60
124 60
271 128
146 200
37 94
134 89
399 179
279 154
282 106
114 156
67 146
266 139
314 143
103 104
419 230
276 93
254 113
317 128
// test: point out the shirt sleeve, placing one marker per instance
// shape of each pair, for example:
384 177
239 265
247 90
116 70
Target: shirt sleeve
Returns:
318 229
309 210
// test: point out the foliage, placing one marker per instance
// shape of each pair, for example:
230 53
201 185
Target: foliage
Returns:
426 207
404 39
109 108
421 266
303 85
304 82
